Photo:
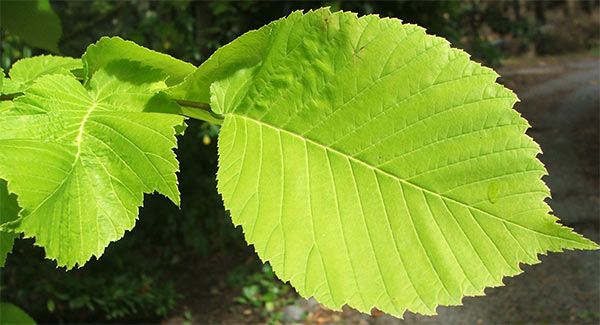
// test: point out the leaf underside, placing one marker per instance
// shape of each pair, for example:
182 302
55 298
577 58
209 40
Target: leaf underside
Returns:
80 159
373 165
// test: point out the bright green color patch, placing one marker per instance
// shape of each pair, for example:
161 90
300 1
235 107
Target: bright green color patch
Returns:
11 314
33 21
80 159
373 165
108 49
5 105
246 51
25 71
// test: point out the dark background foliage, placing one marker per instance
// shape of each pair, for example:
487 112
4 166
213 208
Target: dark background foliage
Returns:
142 277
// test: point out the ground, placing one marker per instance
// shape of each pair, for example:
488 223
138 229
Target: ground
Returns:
560 99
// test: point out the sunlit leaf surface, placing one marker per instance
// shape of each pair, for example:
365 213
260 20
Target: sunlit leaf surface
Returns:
373 165
80 159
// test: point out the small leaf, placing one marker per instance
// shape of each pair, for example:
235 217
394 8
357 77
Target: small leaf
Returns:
373 165
246 51
108 49
33 21
250 292
25 71
80 160
50 305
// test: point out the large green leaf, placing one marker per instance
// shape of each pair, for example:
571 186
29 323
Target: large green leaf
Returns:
108 49
80 160
33 21
25 71
371 164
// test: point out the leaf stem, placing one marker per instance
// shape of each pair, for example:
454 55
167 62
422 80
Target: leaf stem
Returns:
7 97
195 110
199 111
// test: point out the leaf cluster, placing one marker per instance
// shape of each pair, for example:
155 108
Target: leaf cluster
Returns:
368 162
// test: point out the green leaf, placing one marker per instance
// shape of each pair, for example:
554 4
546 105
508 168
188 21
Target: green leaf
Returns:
25 71
33 21
11 314
9 210
245 51
80 160
108 49
373 165
5 105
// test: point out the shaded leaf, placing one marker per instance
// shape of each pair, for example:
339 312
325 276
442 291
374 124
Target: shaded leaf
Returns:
33 21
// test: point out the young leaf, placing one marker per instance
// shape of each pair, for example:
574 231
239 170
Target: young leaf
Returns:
224 62
25 71
80 160
371 164
108 49
8 212
33 21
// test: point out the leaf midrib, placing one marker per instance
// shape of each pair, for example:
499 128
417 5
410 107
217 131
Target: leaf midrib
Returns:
407 182
79 138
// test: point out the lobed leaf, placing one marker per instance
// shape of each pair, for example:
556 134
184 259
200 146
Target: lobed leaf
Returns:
25 71
373 165
108 49
80 159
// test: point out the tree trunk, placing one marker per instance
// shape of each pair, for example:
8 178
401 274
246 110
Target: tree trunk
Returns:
203 23
539 8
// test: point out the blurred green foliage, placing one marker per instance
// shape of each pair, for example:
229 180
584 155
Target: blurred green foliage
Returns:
262 293
191 30
27 18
